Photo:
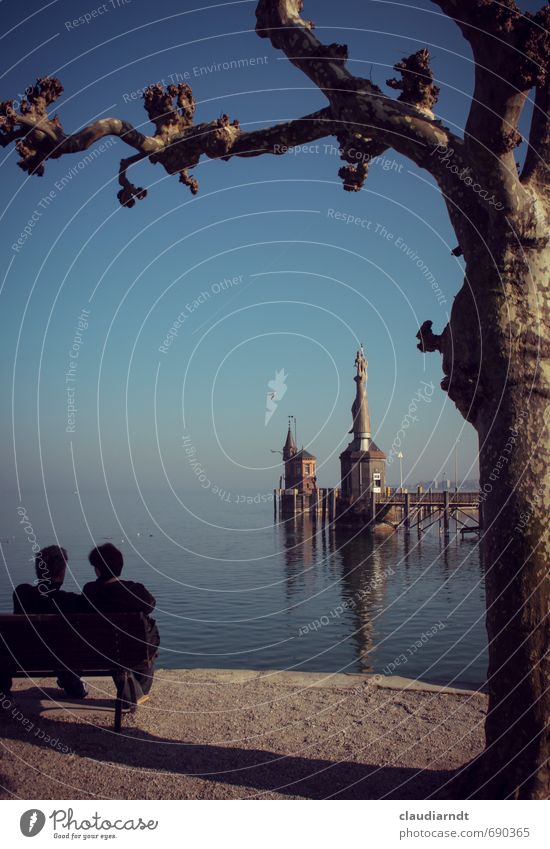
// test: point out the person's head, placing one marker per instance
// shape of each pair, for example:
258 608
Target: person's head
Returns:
107 561
51 564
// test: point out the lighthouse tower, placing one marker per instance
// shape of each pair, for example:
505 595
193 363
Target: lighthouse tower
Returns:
300 467
362 464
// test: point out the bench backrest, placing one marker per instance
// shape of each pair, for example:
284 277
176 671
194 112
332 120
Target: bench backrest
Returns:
84 641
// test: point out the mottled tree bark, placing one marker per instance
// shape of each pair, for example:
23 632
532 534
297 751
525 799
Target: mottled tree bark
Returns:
504 390
515 549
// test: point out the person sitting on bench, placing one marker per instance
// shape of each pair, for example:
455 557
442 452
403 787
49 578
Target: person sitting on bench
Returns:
46 596
110 594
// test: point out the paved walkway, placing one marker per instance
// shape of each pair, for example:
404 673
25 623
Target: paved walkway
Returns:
234 734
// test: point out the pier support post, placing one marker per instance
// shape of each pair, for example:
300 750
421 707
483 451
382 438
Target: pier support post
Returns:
446 513
373 509
274 505
314 504
407 512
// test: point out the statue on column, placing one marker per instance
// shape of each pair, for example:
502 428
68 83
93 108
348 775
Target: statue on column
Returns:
360 407
361 363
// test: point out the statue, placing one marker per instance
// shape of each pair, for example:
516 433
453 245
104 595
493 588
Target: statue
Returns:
360 407
361 363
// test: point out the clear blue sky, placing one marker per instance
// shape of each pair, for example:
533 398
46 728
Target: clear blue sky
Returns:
309 287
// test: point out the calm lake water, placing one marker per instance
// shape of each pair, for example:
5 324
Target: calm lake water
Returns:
235 590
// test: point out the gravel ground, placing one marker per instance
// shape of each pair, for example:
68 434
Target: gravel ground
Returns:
214 734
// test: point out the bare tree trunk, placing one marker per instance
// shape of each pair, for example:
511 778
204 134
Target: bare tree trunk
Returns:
515 550
509 406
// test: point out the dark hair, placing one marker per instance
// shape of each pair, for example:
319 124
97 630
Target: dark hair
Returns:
107 559
50 564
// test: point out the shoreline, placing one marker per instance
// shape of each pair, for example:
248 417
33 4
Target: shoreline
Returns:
318 679
241 734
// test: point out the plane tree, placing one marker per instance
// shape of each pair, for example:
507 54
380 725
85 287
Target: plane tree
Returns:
496 346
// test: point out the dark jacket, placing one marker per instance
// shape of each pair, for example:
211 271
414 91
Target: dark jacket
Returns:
122 597
119 597
28 598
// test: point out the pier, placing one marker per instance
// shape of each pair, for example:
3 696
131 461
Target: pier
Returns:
319 502
420 510
397 508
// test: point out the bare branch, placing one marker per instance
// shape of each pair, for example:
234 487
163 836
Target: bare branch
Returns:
88 136
280 22
177 143
360 115
361 108
503 77
354 149
129 193
279 138
510 51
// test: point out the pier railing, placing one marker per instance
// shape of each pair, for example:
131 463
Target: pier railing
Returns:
318 498
429 498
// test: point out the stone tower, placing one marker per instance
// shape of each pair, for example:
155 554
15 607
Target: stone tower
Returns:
300 467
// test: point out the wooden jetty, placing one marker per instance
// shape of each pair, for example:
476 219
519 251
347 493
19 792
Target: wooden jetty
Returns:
321 501
397 508
422 509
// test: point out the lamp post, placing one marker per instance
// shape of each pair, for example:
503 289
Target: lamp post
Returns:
400 458
456 463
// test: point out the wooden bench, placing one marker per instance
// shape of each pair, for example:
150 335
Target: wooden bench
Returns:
91 643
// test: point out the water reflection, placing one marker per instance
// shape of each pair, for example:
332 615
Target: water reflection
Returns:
357 563
364 563
373 597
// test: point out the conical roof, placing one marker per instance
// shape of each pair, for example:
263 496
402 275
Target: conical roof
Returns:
290 445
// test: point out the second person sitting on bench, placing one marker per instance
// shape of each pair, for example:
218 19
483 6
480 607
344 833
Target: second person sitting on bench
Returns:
46 596
110 594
